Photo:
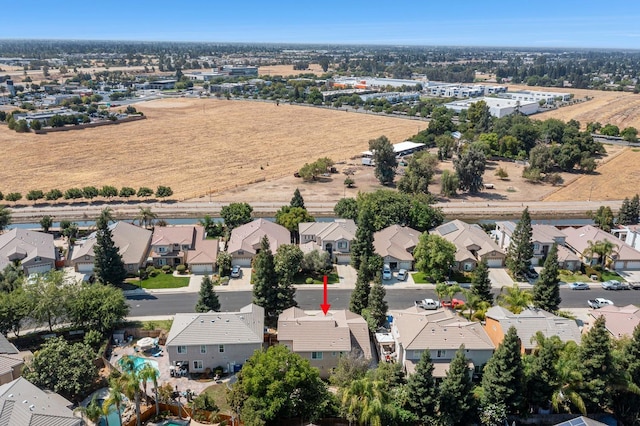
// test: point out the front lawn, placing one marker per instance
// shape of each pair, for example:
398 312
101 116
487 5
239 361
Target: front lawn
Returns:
421 278
301 278
578 276
164 281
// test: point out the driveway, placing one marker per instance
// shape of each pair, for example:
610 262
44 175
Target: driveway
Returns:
499 278
348 276
630 276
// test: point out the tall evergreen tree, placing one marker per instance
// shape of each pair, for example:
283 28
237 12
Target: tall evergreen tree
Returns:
208 299
635 208
107 265
422 390
540 370
502 380
481 284
625 215
469 168
546 291
520 249
455 400
360 294
626 404
265 292
297 200
362 244
377 306
596 367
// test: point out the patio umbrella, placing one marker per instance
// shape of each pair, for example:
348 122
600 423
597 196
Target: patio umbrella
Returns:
146 343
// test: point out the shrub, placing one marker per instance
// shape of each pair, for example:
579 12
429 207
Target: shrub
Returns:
154 273
13 196
588 271
181 269
223 281
166 269
309 280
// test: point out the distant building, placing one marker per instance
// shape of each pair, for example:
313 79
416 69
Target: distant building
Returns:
43 116
400 149
225 71
536 96
498 107
161 85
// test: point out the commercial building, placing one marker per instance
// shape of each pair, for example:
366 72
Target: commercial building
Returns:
498 107
401 149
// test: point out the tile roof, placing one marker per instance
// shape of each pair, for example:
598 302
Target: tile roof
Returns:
417 329
25 245
167 235
546 234
620 320
440 368
248 236
6 347
24 404
337 331
464 236
330 231
9 362
581 421
132 242
396 241
218 328
579 238
530 321
204 251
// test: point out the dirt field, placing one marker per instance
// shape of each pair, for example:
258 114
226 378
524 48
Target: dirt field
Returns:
286 70
193 146
619 108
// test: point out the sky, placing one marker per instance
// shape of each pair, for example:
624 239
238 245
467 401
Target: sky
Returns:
542 23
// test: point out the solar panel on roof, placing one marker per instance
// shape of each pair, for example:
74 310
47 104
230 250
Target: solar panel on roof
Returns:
447 228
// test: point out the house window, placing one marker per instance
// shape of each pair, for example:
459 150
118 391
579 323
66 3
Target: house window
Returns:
221 348
536 247
182 350
162 262
240 252
316 355
203 349
441 354
197 365
130 267
162 249
342 244
468 266
37 259
333 354
185 247
87 257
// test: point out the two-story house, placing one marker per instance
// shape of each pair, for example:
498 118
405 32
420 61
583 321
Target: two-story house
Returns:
623 257
395 244
334 237
34 250
11 361
175 245
245 240
473 245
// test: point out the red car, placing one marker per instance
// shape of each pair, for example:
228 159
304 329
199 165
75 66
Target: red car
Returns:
454 303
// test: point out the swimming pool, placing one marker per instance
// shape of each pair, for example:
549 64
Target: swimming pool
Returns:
139 363
112 418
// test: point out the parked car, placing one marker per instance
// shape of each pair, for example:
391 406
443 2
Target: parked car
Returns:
614 285
402 275
453 303
386 272
428 304
635 285
599 302
579 286
236 272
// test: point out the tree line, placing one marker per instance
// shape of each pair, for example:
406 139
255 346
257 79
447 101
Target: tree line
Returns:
89 193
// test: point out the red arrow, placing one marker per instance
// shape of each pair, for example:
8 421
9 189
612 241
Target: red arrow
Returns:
325 306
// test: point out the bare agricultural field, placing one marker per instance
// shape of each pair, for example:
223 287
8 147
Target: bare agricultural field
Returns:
619 108
192 145
287 70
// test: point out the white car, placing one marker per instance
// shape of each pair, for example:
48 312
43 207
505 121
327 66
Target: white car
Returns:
579 286
386 272
402 275
599 302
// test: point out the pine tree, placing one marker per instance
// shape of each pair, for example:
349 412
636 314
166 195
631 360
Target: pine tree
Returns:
265 292
297 200
362 245
108 265
360 294
625 215
520 250
634 208
481 284
502 380
422 390
546 291
626 404
455 400
208 300
596 366
540 371
377 306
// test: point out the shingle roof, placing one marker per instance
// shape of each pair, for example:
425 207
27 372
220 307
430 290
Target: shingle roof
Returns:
132 242
579 238
396 241
205 251
330 231
464 236
6 347
546 234
218 328
620 320
167 235
25 245
530 321
581 421
24 404
337 331
417 329
9 362
247 237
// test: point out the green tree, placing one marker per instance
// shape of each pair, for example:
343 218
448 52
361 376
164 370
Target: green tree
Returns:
541 158
367 402
13 196
627 213
455 396
144 191
105 218
602 249
288 261
212 228
146 217
502 380
434 256
63 368
629 134
346 208
626 403
236 214
501 173
360 294
418 174
97 307
265 281
596 367
469 168
54 194
5 217
109 191
266 393
115 398
291 217
15 307
603 218
377 307
108 265
149 373
610 130
297 200
316 262
93 410
520 249
35 195
46 222
208 299
224 264
73 194
540 370
514 298
362 244
351 366
126 192
422 390
90 192
481 283
164 191
384 158
48 293
479 117
396 208
546 291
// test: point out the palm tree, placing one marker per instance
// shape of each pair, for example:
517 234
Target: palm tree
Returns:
93 410
106 217
148 372
477 307
114 398
569 381
146 217
514 299
366 402
131 386
602 248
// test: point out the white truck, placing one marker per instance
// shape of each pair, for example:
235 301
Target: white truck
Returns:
428 304
599 302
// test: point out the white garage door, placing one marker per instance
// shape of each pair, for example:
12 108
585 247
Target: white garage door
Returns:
244 262
85 268
202 269
619 265
633 265
494 263
39 269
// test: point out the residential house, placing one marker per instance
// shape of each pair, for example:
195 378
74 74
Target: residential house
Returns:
441 332
333 237
11 361
624 256
205 341
395 244
323 339
22 403
473 245
498 320
582 421
34 250
630 234
132 242
245 240
620 320
542 238
178 245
